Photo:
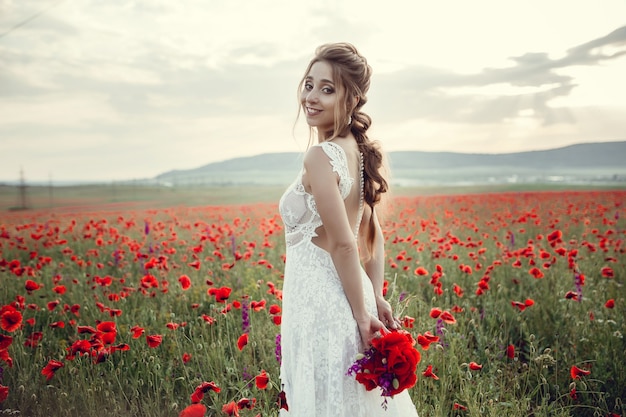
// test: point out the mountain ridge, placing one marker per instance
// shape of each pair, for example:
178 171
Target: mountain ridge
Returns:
601 158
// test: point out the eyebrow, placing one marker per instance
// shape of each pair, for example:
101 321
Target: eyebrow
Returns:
323 80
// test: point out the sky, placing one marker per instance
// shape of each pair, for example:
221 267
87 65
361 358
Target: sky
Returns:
108 90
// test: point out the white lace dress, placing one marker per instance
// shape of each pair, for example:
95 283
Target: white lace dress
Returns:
319 336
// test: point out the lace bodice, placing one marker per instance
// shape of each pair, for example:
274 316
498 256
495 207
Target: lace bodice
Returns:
297 207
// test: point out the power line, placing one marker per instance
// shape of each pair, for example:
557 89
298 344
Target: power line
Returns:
31 18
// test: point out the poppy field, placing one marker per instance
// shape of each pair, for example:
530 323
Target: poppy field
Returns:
516 301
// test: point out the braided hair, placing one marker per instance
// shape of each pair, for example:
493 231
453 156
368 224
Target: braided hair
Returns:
353 73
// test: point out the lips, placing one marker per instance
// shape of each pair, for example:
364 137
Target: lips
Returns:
311 111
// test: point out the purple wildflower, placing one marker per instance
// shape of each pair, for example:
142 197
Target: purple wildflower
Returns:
579 285
245 316
439 328
403 296
359 363
233 246
439 332
146 227
278 351
247 376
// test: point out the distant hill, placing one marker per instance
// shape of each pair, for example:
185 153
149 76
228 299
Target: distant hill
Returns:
586 162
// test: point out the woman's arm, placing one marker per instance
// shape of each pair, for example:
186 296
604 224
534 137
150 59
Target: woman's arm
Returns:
375 266
340 242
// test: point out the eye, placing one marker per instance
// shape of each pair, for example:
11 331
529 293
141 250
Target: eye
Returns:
308 86
328 90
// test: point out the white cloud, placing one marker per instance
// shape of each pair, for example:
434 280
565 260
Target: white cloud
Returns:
119 89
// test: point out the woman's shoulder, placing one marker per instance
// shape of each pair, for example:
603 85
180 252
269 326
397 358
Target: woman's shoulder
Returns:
325 151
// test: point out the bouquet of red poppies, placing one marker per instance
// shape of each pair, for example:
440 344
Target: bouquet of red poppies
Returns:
390 363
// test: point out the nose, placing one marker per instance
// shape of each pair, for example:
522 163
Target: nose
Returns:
311 96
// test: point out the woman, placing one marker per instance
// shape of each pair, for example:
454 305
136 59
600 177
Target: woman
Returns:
332 307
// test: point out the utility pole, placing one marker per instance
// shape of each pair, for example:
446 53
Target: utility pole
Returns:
22 192
50 192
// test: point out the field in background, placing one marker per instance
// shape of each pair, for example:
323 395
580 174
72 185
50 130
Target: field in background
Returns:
116 196
133 301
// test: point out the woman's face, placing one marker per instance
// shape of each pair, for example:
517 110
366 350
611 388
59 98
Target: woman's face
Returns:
319 97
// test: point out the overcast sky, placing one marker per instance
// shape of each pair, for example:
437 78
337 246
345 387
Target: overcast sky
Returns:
123 89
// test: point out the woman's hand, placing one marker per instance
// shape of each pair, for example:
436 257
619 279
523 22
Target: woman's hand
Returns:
368 327
385 314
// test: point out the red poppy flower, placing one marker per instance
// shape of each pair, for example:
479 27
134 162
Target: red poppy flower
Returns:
154 340
520 306
407 322
52 304
428 373
510 351
220 294
106 326
31 286
11 320
198 394
231 409
59 289
607 272
274 309
571 295
107 332
82 346
246 403
4 356
555 236
576 372
137 331
421 271
86 329
242 341
261 380
5 341
536 273
281 401
447 317
257 305
435 312
457 290
149 281
49 370
610 303
4 393
277 319
186 357
426 339
185 282
457 406
194 410
475 367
